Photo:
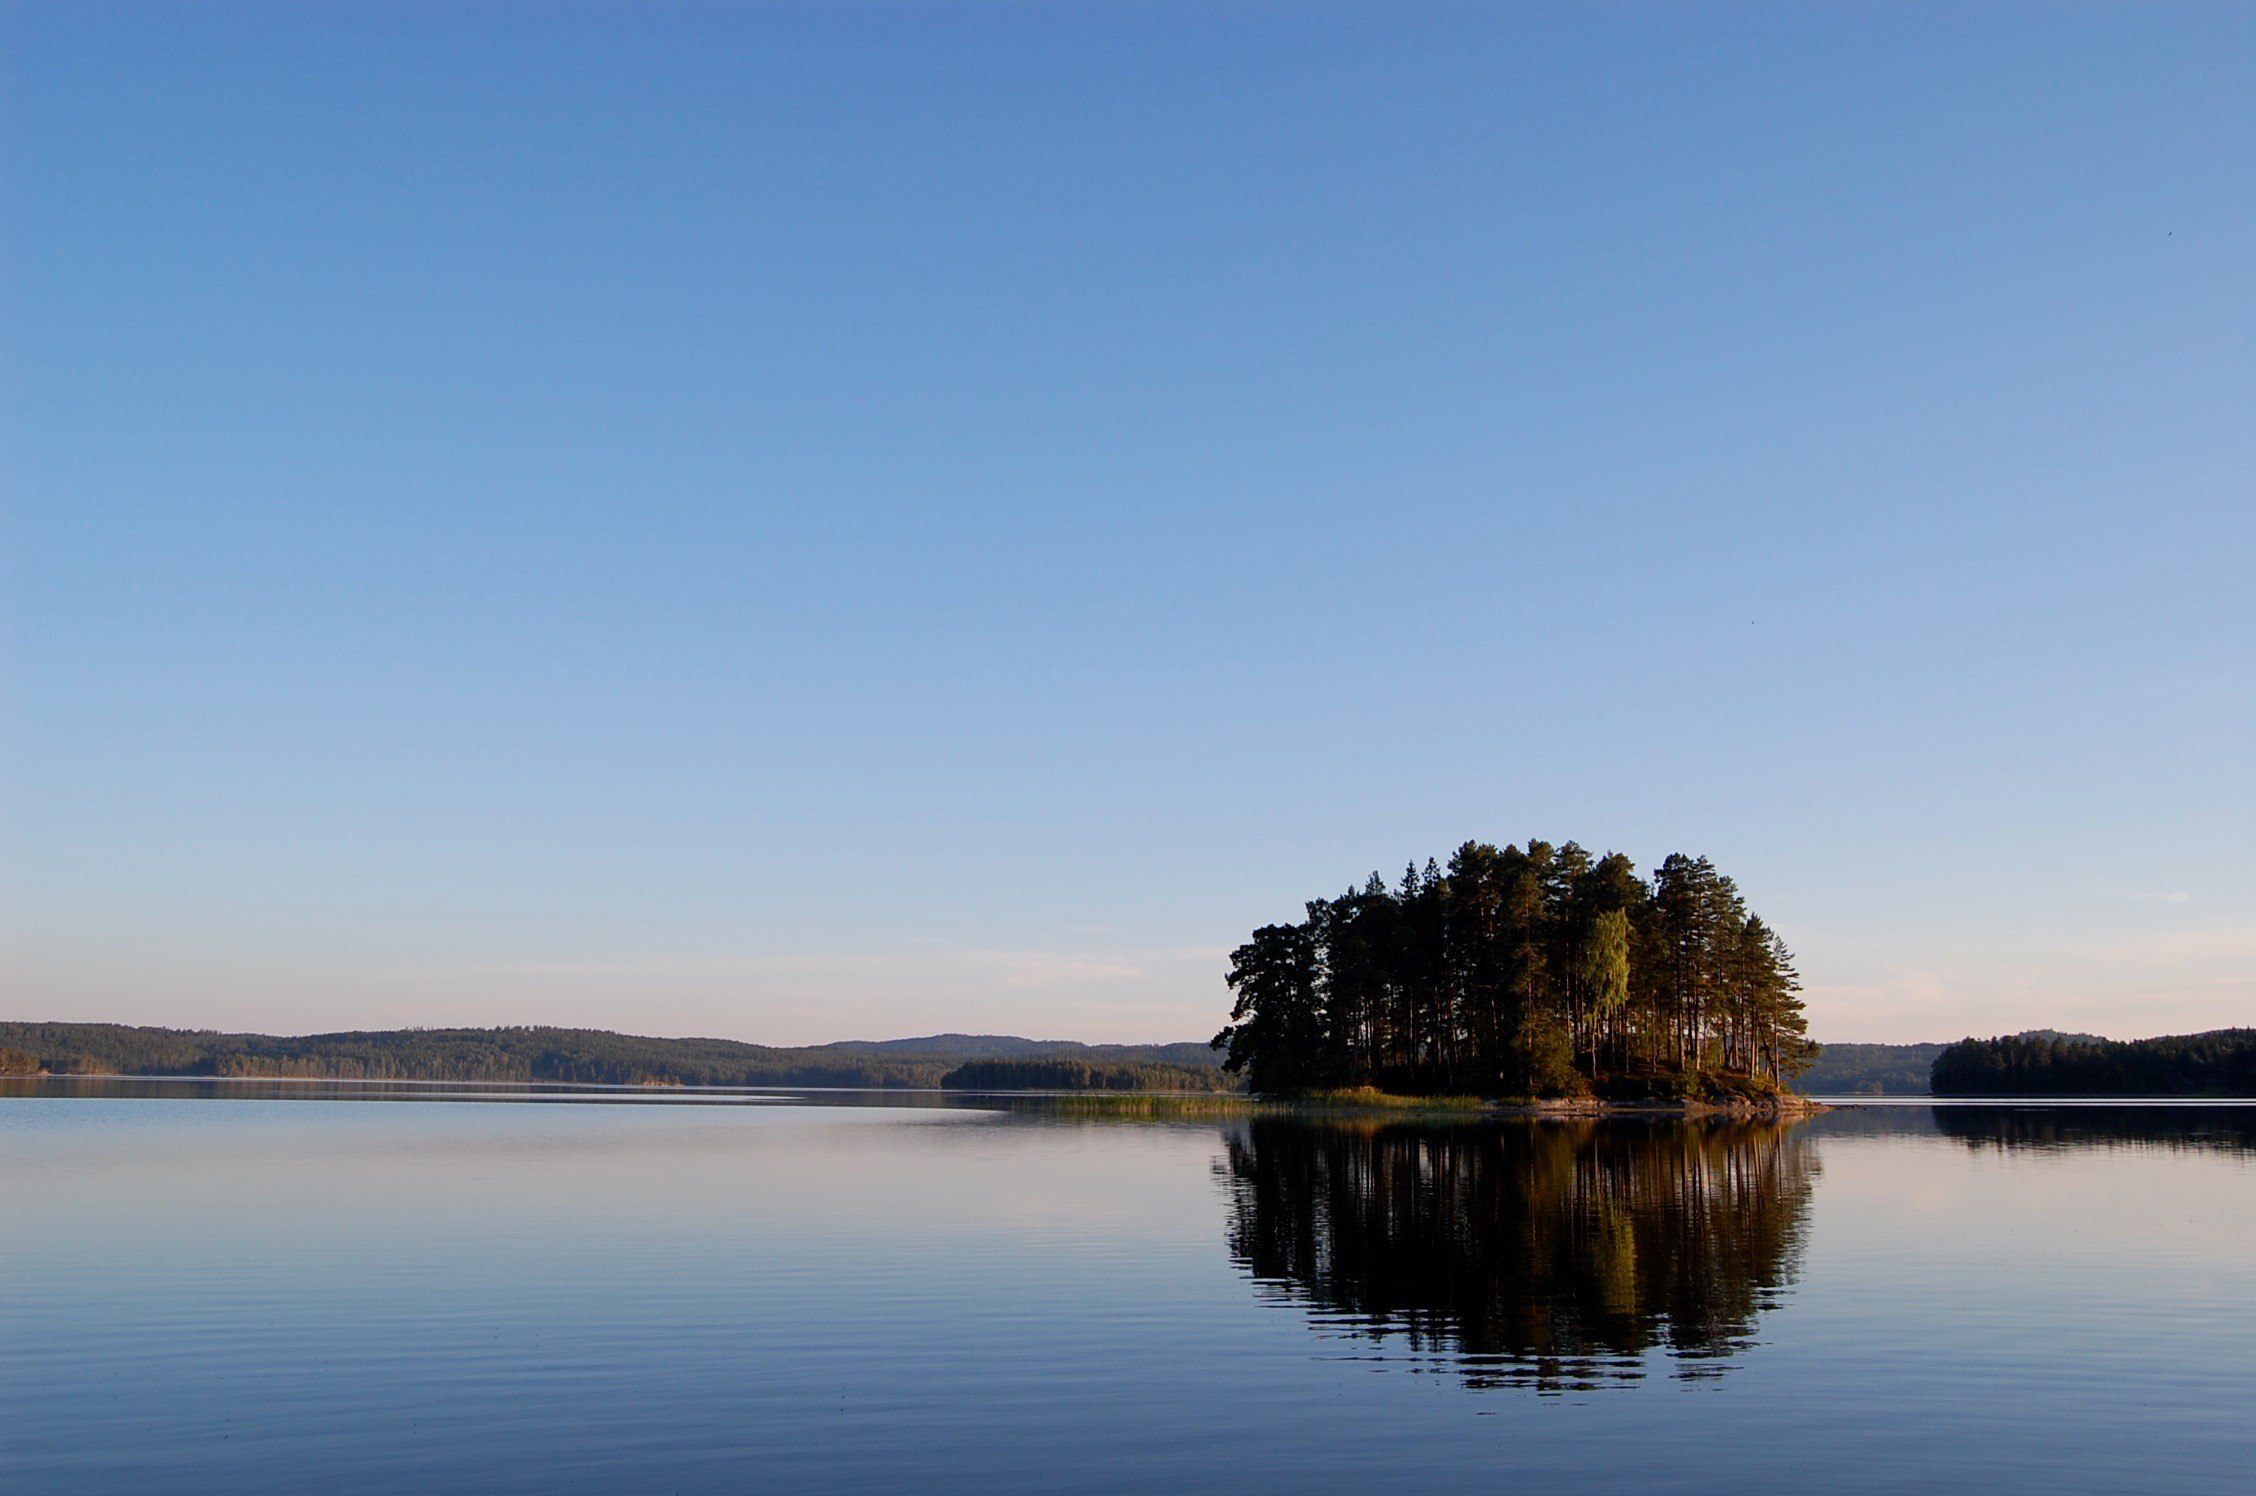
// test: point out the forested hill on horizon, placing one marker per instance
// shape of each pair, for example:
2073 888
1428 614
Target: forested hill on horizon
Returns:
1870 1070
1889 1069
2220 1063
599 1056
585 1056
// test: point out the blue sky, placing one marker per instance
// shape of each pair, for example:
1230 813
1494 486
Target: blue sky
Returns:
805 522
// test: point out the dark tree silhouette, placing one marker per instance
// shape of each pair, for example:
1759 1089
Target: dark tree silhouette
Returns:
2221 1063
1533 972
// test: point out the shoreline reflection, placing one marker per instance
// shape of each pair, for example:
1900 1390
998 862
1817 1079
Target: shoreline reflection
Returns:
2221 1128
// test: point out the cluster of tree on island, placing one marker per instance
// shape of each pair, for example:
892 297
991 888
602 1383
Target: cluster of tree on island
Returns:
1535 971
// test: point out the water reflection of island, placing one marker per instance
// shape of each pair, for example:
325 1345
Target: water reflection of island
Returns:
1551 1256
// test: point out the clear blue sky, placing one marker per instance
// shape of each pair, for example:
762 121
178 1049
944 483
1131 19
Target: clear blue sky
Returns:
812 521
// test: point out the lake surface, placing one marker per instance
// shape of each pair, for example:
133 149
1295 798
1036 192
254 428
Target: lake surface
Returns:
346 1295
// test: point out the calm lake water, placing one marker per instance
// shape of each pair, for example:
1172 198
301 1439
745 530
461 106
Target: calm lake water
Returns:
346 1295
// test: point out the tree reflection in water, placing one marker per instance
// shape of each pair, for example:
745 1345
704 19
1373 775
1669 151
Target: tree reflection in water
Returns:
1548 1255
2060 1128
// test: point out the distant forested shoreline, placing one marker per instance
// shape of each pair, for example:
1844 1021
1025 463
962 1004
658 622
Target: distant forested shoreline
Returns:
2219 1063
2037 1063
1539 972
1066 1073
1871 1070
583 1056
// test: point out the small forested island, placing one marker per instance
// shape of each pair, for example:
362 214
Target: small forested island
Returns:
2221 1063
1535 973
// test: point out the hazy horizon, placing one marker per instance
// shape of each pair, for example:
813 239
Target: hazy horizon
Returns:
901 1038
793 523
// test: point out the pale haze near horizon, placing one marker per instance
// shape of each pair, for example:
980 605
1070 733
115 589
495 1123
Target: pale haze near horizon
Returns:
803 522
